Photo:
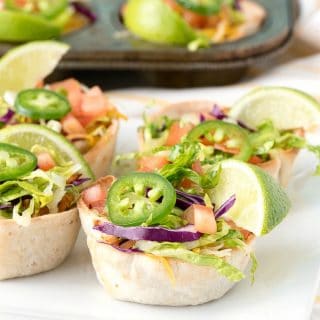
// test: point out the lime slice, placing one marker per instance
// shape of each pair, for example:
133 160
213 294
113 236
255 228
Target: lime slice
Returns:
23 67
155 21
20 27
287 108
29 135
260 204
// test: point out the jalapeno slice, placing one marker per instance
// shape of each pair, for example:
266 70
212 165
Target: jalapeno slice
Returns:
223 133
138 198
46 8
42 104
203 7
15 162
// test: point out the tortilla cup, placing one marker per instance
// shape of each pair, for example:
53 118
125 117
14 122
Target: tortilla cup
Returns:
279 167
101 154
142 278
41 246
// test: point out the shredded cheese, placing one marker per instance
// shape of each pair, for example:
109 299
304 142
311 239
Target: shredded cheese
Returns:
166 265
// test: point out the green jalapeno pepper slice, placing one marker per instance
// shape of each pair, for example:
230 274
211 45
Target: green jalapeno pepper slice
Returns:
140 198
230 135
42 104
15 162
45 8
203 7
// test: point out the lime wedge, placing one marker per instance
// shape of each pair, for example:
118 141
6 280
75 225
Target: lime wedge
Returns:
20 27
29 135
260 204
287 108
155 21
23 67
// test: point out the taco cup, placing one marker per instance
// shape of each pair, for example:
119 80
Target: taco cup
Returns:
162 261
39 188
89 121
276 159
40 247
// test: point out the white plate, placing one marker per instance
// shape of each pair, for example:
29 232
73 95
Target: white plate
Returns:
285 286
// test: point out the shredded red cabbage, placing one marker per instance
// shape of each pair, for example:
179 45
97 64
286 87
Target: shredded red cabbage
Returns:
202 118
185 200
80 181
150 233
217 112
7 117
85 11
244 126
225 207
237 5
6 206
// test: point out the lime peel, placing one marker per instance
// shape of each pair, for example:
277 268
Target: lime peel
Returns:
260 205
155 21
20 27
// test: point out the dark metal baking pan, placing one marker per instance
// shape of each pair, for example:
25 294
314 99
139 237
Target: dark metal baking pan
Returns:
100 44
99 47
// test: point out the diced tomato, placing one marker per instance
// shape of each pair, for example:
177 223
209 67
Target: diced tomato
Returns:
95 197
45 161
94 105
255 160
74 93
196 166
202 218
177 131
195 20
186 183
71 125
152 163
94 102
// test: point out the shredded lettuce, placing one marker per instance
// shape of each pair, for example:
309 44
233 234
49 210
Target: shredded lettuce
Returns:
267 138
182 156
254 267
178 251
195 252
225 235
23 218
35 191
173 220
155 132
154 129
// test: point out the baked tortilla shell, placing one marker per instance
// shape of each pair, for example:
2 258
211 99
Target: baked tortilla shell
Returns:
100 156
142 278
41 246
